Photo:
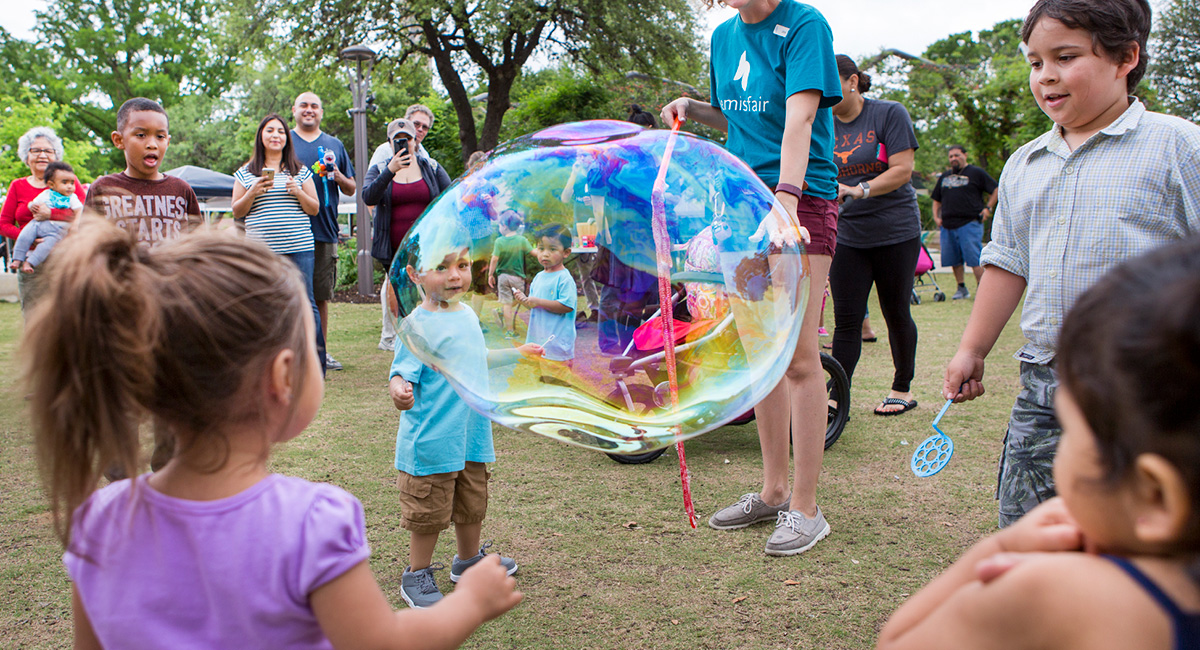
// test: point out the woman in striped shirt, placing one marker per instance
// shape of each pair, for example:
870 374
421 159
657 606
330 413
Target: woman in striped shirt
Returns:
274 198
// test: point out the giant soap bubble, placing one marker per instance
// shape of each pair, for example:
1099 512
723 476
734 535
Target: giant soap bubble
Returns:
736 272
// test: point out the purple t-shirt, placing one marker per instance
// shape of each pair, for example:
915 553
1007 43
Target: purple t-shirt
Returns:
155 571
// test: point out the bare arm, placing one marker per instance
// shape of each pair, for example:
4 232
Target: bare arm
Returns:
937 213
354 613
345 183
899 172
990 208
85 637
243 198
956 610
492 271
307 195
997 298
686 108
552 306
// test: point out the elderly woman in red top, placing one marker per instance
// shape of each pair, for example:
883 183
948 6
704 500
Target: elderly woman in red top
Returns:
39 147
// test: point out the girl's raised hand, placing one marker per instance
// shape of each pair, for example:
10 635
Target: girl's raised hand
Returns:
1047 528
488 587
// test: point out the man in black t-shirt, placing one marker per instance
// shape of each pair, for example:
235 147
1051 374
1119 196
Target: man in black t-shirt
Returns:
959 208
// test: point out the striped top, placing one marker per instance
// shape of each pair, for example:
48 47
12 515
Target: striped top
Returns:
1066 217
276 218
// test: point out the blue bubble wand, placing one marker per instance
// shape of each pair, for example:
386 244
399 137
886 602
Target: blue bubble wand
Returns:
662 250
934 452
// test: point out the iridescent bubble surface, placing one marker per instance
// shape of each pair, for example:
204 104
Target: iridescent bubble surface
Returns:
736 270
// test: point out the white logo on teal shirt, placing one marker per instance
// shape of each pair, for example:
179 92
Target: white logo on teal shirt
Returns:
743 71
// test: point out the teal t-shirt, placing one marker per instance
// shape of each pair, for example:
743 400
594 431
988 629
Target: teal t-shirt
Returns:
510 251
440 432
752 72
560 287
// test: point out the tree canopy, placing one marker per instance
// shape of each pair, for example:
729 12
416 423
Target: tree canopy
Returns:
483 47
1175 58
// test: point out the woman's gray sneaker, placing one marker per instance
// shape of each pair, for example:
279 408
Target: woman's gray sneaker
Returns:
750 509
795 533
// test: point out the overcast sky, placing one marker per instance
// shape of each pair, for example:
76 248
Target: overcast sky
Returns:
860 27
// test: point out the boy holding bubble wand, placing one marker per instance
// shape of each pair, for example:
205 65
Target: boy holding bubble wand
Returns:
1095 189
442 446
552 301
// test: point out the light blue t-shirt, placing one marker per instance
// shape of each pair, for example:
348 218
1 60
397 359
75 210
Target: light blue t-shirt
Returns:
560 287
752 72
440 432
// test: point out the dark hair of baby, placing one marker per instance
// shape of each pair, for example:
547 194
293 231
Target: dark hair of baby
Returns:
1129 353
53 168
1113 24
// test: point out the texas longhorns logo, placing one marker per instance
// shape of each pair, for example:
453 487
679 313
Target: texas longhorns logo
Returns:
845 155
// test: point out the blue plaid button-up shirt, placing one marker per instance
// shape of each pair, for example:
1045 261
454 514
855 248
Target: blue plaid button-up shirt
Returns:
1066 217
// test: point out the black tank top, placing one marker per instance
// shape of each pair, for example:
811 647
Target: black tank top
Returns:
1185 626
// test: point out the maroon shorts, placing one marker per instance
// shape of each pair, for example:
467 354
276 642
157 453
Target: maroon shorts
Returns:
819 216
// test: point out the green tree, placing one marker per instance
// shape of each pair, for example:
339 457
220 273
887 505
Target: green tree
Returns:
484 46
1176 58
22 111
95 54
969 90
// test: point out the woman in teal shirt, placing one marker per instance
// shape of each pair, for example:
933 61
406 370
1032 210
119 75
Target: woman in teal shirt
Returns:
774 78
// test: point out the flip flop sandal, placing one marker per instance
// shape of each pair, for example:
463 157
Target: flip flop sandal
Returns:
871 340
895 401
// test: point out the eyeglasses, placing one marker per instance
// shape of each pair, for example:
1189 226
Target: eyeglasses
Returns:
39 152
421 127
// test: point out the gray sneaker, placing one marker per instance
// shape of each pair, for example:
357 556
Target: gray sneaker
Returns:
331 363
960 294
457 567
750 509
795 533
419 589
388 345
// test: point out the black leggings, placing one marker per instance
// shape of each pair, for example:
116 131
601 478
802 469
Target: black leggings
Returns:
891 269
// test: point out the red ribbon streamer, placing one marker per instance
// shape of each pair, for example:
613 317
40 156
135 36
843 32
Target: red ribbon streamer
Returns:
662 248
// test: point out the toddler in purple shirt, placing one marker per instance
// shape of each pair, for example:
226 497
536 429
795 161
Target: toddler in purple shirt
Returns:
210 338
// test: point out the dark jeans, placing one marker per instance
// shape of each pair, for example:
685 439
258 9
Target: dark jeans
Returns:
891 269
304 261
621 312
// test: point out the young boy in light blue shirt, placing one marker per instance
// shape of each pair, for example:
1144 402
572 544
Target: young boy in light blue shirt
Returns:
1111 180
442 446
552 301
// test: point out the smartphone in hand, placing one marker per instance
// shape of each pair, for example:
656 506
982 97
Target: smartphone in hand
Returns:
268 174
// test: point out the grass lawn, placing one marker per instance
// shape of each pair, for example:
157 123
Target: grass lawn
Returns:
607 558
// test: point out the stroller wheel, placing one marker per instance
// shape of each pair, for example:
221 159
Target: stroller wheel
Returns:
916 300
939 297
643 402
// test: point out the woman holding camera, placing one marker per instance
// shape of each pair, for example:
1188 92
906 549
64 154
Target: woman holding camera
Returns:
399 189
273 198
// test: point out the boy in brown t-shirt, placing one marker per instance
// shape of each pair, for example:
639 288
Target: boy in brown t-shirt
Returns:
141 199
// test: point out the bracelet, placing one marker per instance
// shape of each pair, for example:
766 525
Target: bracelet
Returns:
788 188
